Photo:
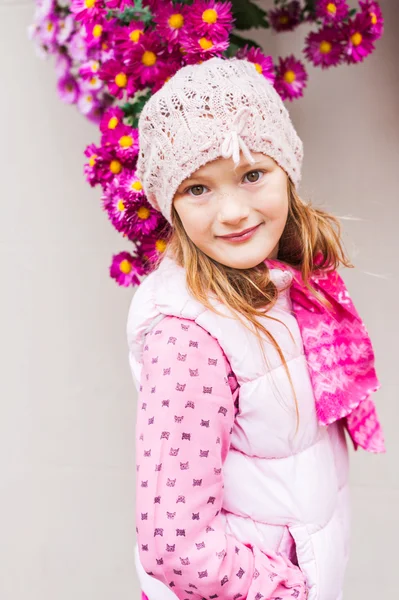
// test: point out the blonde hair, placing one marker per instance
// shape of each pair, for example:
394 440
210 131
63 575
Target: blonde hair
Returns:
250 293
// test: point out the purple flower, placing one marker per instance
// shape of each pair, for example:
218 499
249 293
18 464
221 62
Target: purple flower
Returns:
286 18
263 64
125 140
87 10
145 59
66 27
125 269
77 47
373 10
117 78
332 11
325 47
199 49
291 78
110 121
87 102
357 38
68 89
170 22
210 19
153 246
125 38
140 218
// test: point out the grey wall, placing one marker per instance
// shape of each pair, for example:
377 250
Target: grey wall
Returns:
67 403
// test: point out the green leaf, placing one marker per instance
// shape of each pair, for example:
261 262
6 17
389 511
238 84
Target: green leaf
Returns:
247 15
240 41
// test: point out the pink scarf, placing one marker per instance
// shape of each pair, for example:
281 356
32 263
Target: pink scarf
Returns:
340 356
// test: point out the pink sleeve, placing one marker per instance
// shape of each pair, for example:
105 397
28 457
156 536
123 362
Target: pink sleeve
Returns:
184 420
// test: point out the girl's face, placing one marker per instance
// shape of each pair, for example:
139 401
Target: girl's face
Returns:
219 200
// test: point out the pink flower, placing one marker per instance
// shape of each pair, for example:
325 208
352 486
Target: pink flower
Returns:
65 29
126 38
125 140
373 9
166 72
357 38
291 78
210 19
95 32
117 78
103 166
126 269
62 65
325 47
199 49
153 246
87 102
263 64
110 121
140 218
68 89
130 184
115 204
146 59
170 21
77 47
286 18
332 11
87 10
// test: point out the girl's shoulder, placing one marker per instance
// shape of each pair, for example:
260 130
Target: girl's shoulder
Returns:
182 343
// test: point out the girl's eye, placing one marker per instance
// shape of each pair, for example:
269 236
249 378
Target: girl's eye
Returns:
253 176
195 189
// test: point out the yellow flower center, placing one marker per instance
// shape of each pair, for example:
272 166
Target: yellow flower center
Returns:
135 35
104 46
331 8
210 16
289 76
283 20
126 141
325 47
160 245
136 186
357 38
90 3
121 80
120 206
143 213
93 80
258 68
149 58
176 21
125 266
113 122
373 18
95 66
115 167
97 31
92 160
89 98
205 43
50 26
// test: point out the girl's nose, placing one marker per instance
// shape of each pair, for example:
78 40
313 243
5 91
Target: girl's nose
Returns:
232 208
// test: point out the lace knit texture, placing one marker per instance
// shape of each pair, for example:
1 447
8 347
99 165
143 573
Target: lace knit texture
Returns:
187 405
210 110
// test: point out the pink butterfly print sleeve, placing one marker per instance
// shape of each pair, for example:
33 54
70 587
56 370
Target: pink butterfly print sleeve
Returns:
187 403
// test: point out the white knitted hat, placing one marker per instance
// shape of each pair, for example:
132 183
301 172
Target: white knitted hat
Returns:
206 111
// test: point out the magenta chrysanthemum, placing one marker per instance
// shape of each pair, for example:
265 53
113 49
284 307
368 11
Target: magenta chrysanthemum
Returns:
324 48
200 49
110 121
332 11
117 78
125 140
145 60
68 89
291 78
125 269
373 10
87 10
131 184
152 247
357 39
210 19
263 64
126 38
170 22
140 218
286 18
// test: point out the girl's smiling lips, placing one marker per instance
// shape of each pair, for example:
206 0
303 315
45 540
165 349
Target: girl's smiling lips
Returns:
240 236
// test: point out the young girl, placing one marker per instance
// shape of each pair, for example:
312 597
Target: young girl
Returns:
249 356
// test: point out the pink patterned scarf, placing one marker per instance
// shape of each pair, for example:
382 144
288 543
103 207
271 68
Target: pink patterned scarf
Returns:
340 356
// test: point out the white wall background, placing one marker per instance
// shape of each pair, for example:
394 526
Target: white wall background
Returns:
67 403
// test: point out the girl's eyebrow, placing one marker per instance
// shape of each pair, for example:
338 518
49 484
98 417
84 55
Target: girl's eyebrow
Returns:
205 176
